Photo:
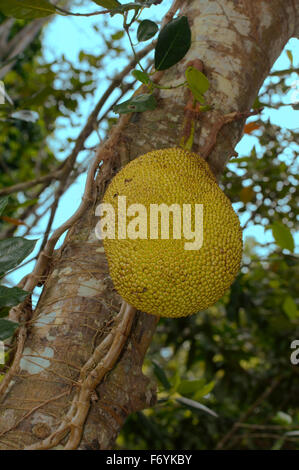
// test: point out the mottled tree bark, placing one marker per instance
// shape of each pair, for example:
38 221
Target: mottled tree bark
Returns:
238 41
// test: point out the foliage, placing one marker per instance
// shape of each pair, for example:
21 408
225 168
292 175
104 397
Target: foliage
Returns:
12 252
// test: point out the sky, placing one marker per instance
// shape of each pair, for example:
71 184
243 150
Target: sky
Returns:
68 36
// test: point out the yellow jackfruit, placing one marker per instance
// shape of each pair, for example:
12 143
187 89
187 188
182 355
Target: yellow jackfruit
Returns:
160 276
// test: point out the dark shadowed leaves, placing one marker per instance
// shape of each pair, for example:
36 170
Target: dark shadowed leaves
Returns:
10 296
146 30
7 328
173 43
3 204
13 251
160 374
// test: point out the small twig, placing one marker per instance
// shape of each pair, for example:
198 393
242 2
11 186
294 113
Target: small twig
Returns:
37 407
220 122
176 5
28 184
247 413
94 13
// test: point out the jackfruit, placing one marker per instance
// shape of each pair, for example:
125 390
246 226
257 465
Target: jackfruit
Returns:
160 276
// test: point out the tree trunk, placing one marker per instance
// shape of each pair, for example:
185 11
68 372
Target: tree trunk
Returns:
238 42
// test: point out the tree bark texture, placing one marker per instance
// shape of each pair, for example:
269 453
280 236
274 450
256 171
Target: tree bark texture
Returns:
238 41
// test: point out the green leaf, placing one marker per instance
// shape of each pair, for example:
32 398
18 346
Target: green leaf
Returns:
136 105
146 30
116 36
27 9
7 328
197 82
204 109
3 204
187 387
204 390
278 444
282 418
290 308
283 236
196 405
290 56
160 374
108 4
13 251
10 296
4 311
173 43
257 104
141 76
175 382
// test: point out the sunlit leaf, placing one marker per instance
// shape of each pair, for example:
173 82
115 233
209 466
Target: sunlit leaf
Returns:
282 235
27 9
197 82
141 76
205 390
190 386
290 56
116 36
290 308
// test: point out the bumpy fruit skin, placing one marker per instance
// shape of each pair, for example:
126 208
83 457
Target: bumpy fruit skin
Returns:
160 277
